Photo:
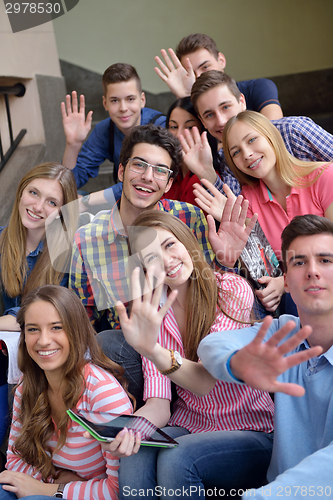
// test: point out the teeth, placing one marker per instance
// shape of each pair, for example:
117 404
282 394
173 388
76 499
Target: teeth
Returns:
255 163
175 270
34 216
47 353
140 188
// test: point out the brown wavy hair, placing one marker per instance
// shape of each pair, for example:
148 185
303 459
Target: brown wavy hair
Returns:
35 414
203 294
291 170
13 238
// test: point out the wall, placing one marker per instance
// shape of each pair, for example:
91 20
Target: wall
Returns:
259 37
23 55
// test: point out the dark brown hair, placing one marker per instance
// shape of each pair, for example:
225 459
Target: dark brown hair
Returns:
120 72
157 136
35 414
194 42
303 225
209 80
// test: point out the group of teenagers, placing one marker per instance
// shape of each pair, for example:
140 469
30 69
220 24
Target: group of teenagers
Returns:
136 310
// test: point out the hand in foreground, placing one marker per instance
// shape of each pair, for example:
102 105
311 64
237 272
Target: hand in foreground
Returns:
231 238
260 363
67 476
24 485
178 79
212 203
270 296
142 327
198 154
76 125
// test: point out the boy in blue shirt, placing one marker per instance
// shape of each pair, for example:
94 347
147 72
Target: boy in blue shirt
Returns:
125 102
293 358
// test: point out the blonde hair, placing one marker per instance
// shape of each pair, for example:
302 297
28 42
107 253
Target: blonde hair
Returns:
14 267
291 170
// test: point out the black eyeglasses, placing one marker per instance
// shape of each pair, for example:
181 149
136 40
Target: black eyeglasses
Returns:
139 167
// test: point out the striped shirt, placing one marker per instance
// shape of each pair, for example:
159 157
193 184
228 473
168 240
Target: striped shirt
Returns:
99 269
85 457
228 406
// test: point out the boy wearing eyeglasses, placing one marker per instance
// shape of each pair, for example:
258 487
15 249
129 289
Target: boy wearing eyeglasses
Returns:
149 161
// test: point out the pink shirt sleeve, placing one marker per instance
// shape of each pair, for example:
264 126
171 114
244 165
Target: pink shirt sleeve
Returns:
83 456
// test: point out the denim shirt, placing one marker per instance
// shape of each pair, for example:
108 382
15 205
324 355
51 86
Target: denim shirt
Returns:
12 304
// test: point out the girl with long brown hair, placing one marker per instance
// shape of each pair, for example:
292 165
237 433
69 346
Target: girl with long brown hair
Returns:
63 367
46 191
213 419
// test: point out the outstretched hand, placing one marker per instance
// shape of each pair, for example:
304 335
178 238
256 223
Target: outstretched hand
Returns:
260 363
198 154
228 242
173 73
76 125
212 202
142 327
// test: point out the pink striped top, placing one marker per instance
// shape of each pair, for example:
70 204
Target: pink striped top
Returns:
228 406
85 457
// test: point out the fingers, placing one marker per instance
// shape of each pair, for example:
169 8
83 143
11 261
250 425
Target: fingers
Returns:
262 331
160 74
126 443
162 66
227 191
211 226
174 58
288 388
189 68
251 223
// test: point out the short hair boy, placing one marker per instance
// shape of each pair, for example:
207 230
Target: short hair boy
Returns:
125 102
217 98
292 357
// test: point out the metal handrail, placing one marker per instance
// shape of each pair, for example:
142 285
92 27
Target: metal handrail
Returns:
18 90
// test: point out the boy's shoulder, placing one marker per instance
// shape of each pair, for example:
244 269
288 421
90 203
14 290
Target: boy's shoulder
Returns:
153 116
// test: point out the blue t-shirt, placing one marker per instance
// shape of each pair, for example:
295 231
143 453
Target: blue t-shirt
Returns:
96 149
259 93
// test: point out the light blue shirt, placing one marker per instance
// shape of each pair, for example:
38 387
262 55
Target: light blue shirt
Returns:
303 436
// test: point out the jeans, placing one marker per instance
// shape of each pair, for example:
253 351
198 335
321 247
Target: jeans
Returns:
8 495
115 347
224 460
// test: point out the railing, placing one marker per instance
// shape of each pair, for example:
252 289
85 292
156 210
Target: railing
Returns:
18 90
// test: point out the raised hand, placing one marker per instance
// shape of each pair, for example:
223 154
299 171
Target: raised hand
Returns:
76 125
142 327
178 79
212 202
260 363
198 154
232 235
270 296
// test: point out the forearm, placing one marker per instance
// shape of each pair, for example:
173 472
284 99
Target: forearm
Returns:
8 323
156 410
192 376
70 155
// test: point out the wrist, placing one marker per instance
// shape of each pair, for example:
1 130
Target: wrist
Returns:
161 358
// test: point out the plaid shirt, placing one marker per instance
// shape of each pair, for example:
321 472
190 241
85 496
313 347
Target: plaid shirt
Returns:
100 260
303 138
